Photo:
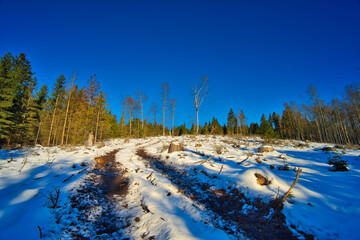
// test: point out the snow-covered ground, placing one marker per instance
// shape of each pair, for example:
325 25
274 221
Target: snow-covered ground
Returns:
158 205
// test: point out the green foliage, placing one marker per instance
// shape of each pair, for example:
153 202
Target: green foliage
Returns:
254 128
215 127
231 122
7 94
266 129
338 164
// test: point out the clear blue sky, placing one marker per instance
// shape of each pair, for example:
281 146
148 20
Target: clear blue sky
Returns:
257 54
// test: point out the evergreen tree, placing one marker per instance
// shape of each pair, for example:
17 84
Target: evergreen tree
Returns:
231 122
40 101
277 123
56 101
205 129
215 127
193 130
7 94
24 110
265 128
254 128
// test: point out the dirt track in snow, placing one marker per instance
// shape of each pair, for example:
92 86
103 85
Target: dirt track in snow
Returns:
102 197
95 203
225 208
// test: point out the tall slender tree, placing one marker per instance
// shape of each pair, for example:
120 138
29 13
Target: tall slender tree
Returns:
199 93
164 95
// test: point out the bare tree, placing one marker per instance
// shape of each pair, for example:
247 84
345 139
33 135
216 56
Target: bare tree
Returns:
141 98
154 109
67 108
199 93
131 107
241 121
172 106
164 95
100 101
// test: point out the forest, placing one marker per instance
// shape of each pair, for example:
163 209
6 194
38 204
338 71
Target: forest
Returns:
68 114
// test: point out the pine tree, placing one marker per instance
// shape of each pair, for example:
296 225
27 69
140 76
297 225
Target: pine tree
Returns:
7 94
40 101
193 129
254 128
265 128
56 100
24 110
215 127
277 123
231 122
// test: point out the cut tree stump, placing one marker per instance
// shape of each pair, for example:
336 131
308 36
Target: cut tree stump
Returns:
265 149
175 146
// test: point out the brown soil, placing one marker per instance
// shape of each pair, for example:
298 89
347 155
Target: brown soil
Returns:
225 205
104 187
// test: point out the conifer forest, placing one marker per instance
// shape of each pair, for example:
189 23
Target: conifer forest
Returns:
66 114
180 120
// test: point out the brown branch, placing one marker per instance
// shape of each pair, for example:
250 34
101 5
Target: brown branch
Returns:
221 169
292 186
204 161
239 163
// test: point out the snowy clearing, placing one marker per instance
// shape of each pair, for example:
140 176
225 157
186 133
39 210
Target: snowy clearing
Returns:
207 191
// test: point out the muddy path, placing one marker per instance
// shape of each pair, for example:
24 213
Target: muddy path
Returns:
226 205
94 209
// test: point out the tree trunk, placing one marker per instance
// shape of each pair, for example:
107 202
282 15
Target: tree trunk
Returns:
197 121
37 133
66 115
52 122
97 124
164 116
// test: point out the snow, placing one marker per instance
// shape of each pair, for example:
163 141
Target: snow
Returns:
324 203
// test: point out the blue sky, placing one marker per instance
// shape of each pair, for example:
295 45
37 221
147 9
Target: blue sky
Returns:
256 54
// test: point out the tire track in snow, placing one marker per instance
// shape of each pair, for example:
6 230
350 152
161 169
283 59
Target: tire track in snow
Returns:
94 211
225 205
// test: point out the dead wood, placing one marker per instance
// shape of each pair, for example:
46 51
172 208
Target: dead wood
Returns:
204 161
221 169
292 186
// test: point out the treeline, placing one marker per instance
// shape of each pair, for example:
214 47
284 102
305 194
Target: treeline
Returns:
337 121
68 114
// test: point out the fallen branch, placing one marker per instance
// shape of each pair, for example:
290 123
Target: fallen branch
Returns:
292 186
221 169
204 161
24 163
181 191
40 231
74 175
11 158
239 163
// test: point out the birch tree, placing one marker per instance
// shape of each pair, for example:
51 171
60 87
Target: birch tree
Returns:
164 95
141 98
172 106
199 93
67 108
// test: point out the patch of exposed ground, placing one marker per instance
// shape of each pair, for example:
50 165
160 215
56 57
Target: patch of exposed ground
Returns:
232 211
94 207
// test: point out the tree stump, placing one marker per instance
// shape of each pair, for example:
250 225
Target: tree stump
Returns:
261 180
175 146
90 141
265 149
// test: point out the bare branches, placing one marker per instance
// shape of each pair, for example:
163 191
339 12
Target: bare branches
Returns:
141 98
164 95
52 197
199 93
172 106
131 106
